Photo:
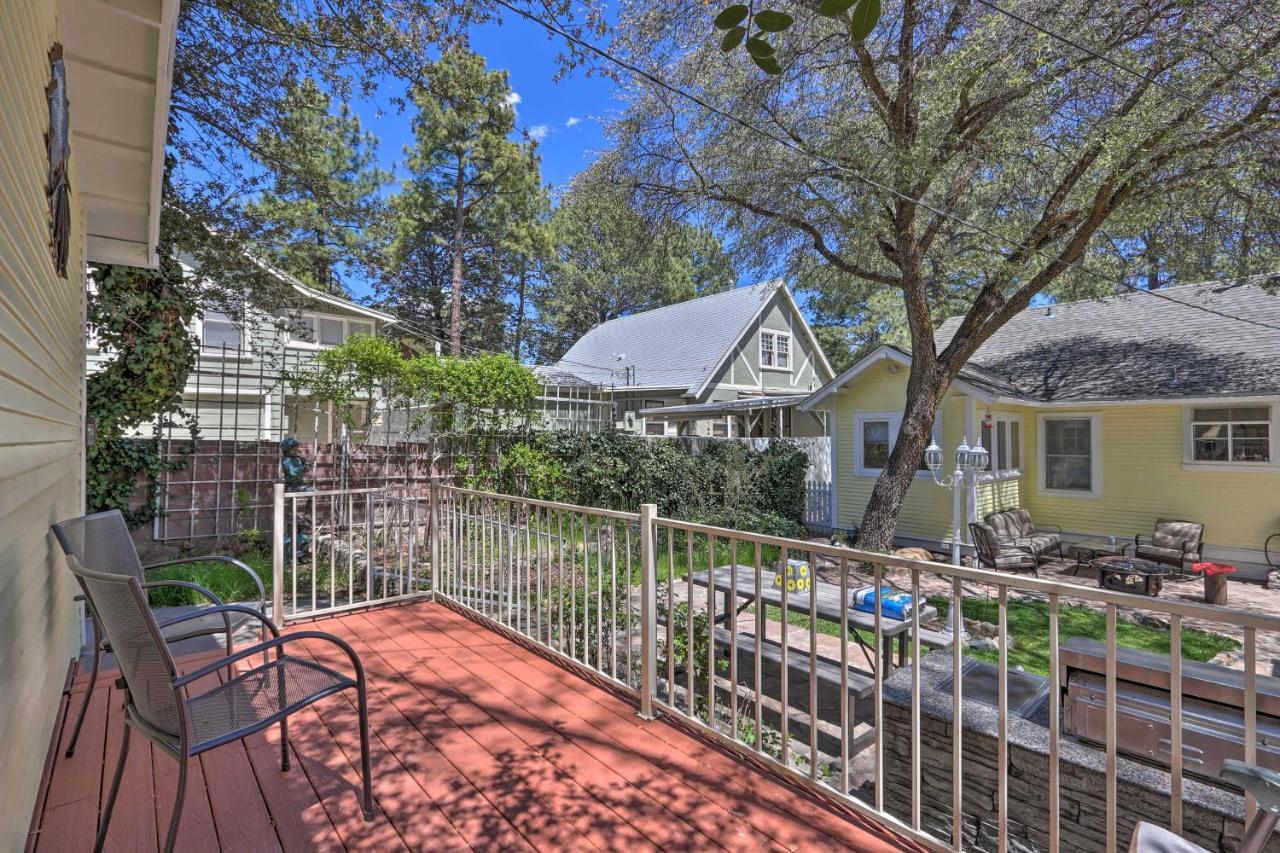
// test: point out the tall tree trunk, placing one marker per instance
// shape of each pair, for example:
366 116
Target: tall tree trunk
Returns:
455 305
925 390
519 324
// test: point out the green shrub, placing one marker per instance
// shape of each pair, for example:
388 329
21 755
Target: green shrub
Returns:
725 483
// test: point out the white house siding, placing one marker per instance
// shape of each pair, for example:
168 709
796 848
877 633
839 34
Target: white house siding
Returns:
41 455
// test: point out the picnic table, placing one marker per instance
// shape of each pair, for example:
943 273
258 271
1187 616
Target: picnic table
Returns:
828 606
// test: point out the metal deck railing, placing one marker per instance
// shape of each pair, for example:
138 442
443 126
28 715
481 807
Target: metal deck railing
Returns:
662 609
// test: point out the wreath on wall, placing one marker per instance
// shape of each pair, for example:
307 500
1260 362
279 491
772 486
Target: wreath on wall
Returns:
59 144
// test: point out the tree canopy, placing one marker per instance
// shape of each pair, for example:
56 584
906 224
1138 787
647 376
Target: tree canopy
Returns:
316 219
966 163
611 260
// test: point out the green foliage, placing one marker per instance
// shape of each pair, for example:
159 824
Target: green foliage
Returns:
727 484
612 260
482 395
527 470
738 18
140 317
315 218
465 212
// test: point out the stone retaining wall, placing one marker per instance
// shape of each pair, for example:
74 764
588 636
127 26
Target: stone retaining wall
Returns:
1211 817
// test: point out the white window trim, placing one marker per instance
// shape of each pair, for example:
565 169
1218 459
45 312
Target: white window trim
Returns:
669 427
1188 441
895 424
1095 454
996 475
246 341
791 350
316 317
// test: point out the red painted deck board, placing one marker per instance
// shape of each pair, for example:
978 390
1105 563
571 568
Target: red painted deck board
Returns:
477 743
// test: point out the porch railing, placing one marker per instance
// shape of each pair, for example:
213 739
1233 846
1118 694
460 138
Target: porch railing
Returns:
345 549
664 610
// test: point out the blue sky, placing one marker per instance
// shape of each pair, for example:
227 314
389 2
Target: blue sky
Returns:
564 115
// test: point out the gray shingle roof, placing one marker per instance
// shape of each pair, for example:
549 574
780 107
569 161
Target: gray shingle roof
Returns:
1137 346
676 346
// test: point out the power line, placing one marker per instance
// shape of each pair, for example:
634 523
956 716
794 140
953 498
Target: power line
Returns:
796 147
1115 63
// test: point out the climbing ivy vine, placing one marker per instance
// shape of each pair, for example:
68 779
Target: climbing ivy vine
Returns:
141 318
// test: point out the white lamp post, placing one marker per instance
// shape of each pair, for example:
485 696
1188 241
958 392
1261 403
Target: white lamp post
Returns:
969 461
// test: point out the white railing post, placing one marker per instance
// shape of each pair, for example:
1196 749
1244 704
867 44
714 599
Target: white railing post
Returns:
648 610
433 520
277 553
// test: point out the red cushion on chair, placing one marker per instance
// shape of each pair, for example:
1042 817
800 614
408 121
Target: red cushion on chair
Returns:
1212 569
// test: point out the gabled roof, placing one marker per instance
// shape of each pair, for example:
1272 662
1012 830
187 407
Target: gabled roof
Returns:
679 346
1136 346
972 379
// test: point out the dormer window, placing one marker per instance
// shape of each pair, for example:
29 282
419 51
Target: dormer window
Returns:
775 350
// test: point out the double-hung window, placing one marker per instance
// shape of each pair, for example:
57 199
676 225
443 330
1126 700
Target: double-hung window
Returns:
1003 440
220 332
874 436
775 350
1234 434
1071 454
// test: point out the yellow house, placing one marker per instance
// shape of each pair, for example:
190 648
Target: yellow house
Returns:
1100 416
95 74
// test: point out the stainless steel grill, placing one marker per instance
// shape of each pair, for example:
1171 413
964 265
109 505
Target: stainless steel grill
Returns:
1213 707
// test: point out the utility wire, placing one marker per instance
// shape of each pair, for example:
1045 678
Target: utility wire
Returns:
1115 63
800 149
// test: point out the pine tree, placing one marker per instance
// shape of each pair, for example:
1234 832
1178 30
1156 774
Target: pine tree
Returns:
317 215
471 187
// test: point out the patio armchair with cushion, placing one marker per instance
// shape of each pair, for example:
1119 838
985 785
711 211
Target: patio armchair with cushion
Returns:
1174 543
1015 529
993 554
101 542
164 708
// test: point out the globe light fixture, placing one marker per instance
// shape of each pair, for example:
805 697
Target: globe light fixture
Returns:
933 457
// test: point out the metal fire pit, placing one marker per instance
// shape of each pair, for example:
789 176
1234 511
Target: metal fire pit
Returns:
1130 574
1212 707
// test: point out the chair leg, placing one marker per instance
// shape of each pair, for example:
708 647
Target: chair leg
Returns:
284 745
88 691
179 800
105 822
366 767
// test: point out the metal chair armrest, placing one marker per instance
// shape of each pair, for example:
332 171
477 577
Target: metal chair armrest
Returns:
1048 528
274 643
214 558
224 609
209 594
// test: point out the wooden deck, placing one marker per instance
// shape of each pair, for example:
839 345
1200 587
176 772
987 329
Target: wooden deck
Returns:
478 742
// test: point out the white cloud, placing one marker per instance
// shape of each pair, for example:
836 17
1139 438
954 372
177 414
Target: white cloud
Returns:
539 132
571 121
512 99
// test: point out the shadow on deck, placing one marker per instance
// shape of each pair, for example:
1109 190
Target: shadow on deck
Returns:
478 742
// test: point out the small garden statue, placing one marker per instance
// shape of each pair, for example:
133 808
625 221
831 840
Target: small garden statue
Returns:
293 465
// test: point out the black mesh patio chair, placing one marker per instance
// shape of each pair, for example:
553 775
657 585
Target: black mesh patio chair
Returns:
993 554
158 702
101 542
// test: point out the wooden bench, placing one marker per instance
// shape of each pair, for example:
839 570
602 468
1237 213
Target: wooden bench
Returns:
861 686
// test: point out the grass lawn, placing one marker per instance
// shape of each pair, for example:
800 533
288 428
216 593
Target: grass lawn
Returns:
226 581
1029 626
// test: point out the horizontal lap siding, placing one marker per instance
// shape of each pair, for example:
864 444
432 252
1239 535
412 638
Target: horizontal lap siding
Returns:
41 352
927 509
1143 478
